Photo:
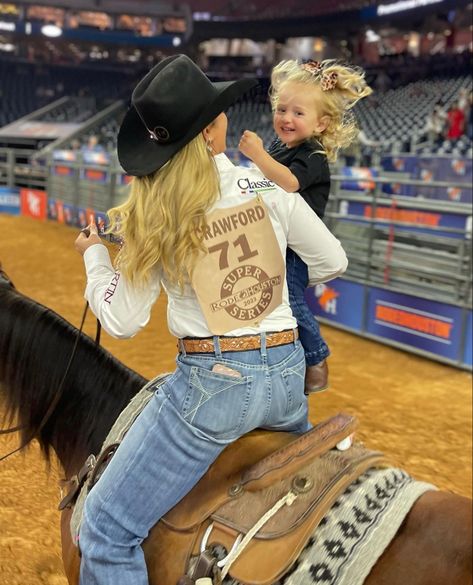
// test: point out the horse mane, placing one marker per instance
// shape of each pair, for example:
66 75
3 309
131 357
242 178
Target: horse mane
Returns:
36 345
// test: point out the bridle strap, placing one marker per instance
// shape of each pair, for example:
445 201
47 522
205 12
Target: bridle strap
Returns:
11 430
58 395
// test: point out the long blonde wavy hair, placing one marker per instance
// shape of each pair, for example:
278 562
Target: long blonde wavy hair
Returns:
350 86
163 220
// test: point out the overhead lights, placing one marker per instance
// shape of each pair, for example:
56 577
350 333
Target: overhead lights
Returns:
7 26
176 41
371 36
7 47
51 30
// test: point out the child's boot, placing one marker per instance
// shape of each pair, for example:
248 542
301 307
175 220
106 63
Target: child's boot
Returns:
316 377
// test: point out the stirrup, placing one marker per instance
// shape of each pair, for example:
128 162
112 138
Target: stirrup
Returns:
203 546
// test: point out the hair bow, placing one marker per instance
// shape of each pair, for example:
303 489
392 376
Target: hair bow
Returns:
329 81
314 67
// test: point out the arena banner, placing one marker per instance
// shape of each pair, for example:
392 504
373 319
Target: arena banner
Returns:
10 201
468 353
429 169
34 203
423 220
82 217
94 175
124 179
400 164
52 209
445 169
420 323
362 176
70 214
62 171
339 300
60 211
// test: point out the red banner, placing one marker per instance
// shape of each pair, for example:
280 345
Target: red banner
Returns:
34 203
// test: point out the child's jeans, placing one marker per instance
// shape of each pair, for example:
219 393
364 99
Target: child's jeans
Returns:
297 276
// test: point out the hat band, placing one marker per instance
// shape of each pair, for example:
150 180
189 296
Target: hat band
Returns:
159 133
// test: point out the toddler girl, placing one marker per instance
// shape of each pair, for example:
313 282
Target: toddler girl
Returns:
311 105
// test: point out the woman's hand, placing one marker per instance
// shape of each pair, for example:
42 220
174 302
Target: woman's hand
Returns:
251 145
87 237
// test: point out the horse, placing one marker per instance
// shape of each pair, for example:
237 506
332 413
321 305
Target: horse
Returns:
70 415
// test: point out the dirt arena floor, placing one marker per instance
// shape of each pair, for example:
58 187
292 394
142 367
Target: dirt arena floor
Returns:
415 410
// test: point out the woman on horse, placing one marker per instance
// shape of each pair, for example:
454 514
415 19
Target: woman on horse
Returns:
214 237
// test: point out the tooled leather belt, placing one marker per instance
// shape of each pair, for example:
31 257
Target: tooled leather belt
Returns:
242 343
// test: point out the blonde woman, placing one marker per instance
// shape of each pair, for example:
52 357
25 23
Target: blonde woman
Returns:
311 104
197 227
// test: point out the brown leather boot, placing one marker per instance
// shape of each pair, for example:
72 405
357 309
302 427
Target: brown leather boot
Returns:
316 378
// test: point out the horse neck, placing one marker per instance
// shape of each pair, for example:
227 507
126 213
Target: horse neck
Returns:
36 345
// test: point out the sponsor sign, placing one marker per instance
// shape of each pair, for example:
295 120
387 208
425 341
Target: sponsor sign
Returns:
9 201
428 169
60 211
420 323
363 176
125 179
339 300
82 217
467 357
33 203
70 214
63 171
423 220
52 209
94 175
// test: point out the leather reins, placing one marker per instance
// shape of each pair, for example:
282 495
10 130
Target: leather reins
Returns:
58 395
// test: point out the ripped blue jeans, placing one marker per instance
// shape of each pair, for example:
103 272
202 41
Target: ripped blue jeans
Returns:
192 417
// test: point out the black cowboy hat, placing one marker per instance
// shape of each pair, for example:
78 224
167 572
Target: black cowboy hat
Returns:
169 107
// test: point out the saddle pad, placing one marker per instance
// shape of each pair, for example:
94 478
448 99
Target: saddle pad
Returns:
356 531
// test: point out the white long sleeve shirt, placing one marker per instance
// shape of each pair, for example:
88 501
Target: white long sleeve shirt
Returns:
123 310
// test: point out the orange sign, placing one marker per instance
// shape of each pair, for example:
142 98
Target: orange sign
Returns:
33 203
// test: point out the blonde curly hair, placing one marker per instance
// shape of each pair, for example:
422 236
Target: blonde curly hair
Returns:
337 88
162 223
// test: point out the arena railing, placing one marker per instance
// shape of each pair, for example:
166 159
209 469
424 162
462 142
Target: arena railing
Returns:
409 279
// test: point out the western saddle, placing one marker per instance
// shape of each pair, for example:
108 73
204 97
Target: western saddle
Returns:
247 490
260 502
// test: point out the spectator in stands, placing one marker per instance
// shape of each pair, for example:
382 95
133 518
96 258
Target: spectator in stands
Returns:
455 122
238 367
92 145
311 116
463 99
434 129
